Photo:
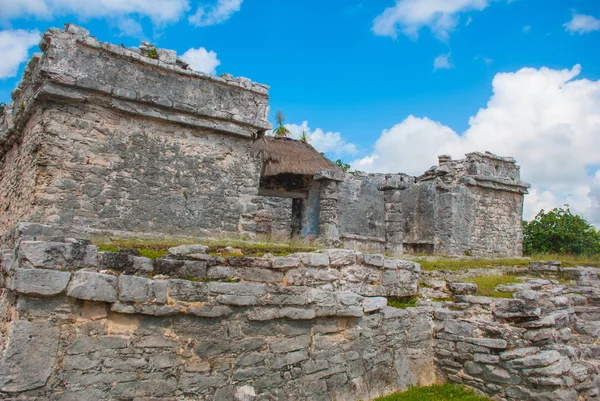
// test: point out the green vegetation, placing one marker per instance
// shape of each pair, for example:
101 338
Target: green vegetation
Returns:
344 166
281 131
152 53
108 248
2 106
440 263
304 136
445 392
486 285
560 231
402 302
158 248
152 253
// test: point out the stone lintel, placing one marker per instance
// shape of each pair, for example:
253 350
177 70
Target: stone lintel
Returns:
333 175
501 184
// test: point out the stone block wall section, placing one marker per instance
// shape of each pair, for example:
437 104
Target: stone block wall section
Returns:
118 326
103 137
540 345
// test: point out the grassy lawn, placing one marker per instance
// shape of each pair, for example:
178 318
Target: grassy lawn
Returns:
448 263
158 248
486 285
445 392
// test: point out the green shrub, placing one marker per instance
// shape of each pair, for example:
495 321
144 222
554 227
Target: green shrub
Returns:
560 231
445 392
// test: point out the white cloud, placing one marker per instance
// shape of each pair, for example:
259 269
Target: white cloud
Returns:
14 48
548 120
594 195
442 62
202 60
581 24
326 142
410 16
158 10
130 27
527 28
216 14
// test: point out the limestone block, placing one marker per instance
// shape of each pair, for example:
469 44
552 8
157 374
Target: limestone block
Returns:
187 291
562 366
134 288
57 255
500 375
262 275
372 304
373 259
285 345
340 257
93 286
519 353
141 264
290 358
184 250
297 313
40 282
493 343
311 276
167 56
541 359
285 262
29 356
181 268
460 288
238 288
312 259
545 267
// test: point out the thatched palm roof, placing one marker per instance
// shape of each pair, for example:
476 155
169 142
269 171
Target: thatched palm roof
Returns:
289 156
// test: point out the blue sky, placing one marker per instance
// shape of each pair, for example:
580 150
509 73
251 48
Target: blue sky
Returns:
356 71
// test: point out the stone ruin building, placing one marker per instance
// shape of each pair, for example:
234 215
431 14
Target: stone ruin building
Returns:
102 139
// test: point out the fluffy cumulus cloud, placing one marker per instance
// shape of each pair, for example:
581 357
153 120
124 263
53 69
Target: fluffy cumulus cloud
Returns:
331 143
442 62
410 16
581 24
14 47
159 11
212 15
547 119
202 60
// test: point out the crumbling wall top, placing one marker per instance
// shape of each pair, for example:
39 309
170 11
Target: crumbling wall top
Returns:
478 169
76 67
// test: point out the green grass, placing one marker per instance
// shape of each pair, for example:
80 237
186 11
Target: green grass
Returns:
402 302
157 248
152 253
486 285
570 260
448 263
465 264
444 392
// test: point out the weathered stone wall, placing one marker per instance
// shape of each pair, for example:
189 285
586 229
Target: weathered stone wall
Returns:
86 326
106 137
541 345
472 206
273 216
361 212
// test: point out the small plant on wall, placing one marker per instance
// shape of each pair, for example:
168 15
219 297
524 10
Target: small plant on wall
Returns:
281 131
